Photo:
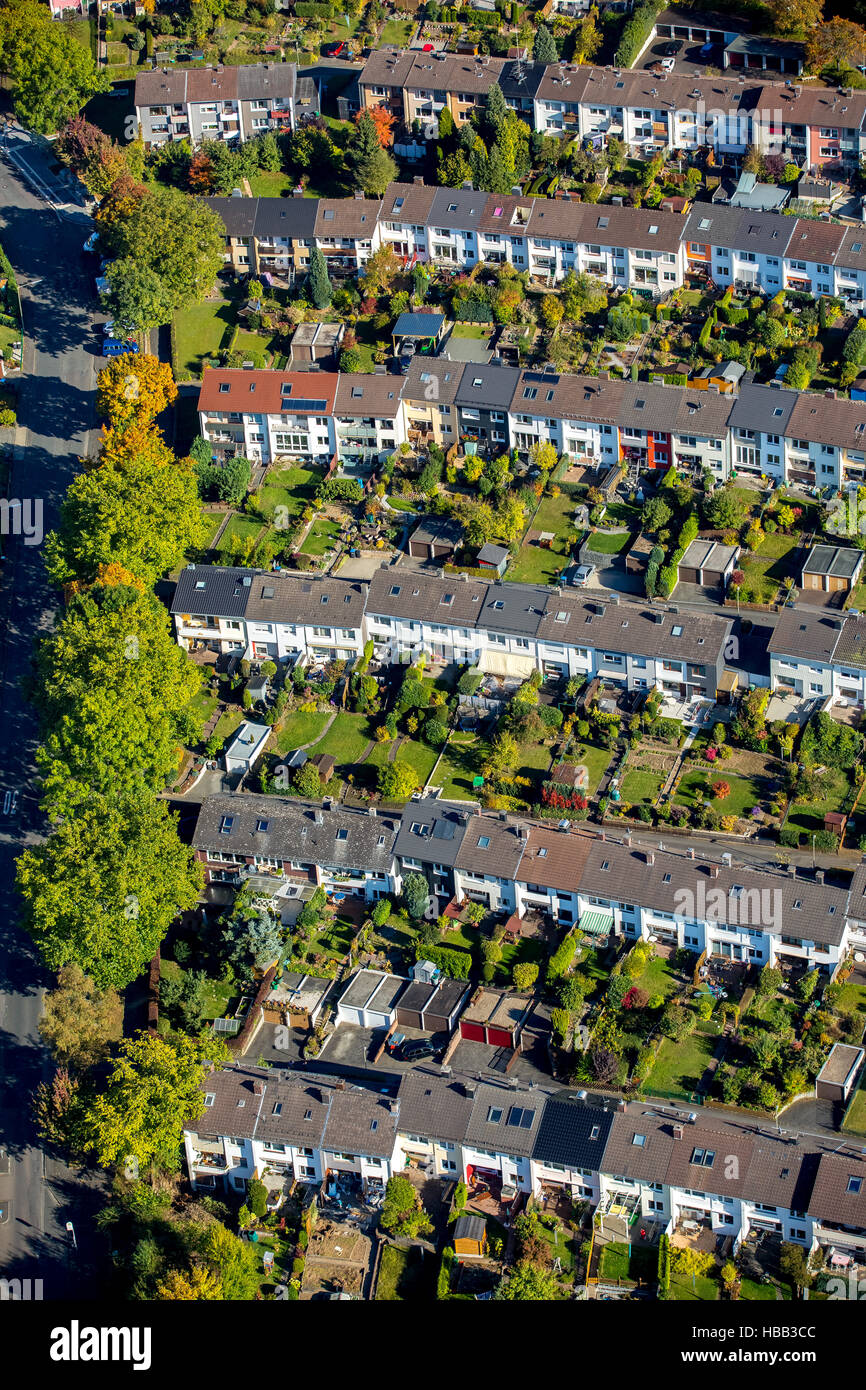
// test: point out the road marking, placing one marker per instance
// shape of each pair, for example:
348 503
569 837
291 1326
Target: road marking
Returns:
36 180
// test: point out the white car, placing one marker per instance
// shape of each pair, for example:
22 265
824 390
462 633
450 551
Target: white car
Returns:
582 575
668 64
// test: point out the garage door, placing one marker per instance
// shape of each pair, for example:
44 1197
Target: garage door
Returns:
351 1015
409 1018
499 1037
372 1018
688 575
472 1032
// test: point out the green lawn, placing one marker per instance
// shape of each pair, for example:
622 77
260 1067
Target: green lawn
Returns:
680 1066
301 727
852 998
217 993
766 567
641 788
241 530
203 705
594 759
322 536
610 542
399 504
346 740
199 332
855 1120
405 1275
695 787
808 816
522 952
397 32
697 1289
754 1292
461 761
412 750
478 331
535 564
631 1263
532 759
658 978
293 488
265 184
212 522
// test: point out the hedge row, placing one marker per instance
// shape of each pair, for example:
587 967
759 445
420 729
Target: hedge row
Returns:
636 33
455 964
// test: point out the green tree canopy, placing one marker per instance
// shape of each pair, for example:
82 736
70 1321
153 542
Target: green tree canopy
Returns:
114 690
153 1090
136 296
51 74
131 514
106 885
180 239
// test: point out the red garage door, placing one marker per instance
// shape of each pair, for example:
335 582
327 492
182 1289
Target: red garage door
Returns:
499 1037
472 1032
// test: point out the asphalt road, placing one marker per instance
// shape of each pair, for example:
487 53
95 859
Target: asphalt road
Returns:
56 426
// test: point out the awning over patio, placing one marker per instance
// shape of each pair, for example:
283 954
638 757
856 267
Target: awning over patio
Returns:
495 663
596 923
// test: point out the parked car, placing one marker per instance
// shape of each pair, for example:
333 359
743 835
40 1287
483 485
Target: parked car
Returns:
115 347
667 64
670 50
416 1049
92 243
333 50
394 1043
582 575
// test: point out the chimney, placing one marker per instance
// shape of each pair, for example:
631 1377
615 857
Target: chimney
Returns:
727 858
318 816
503 815
830 394
258 1088
650 856
371 811
678 1131
394 1107
419 179
819 875
792 870
470 1087
714 870
690 854
628 841
523 832
621 1105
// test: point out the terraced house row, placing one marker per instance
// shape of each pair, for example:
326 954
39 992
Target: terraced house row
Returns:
651 251
503 628
328 418
811 126
637 1159
610 886
221 103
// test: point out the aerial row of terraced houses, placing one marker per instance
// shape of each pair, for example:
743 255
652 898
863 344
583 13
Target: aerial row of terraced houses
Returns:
810 125
808 439
647 250
510 629
637 1159
673 894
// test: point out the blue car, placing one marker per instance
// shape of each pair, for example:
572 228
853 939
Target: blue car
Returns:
113 347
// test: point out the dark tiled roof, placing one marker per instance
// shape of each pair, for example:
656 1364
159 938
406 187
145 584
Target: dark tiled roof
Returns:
656 878
851 647
762 408
806 635
488 386
439 835
501 854
293 832
565 1134
631 627
831 1199
213 590
519 1118
740 229
407 593
434 1106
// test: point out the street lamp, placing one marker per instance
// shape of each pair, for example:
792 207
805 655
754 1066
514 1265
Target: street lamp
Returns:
71 1229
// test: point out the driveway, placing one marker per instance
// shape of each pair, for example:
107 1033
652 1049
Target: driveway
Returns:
57 425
